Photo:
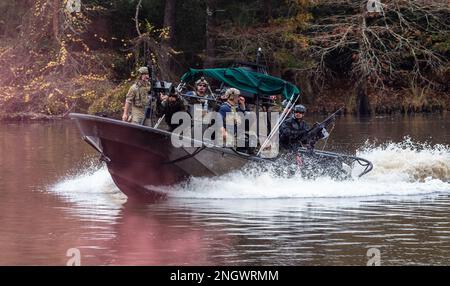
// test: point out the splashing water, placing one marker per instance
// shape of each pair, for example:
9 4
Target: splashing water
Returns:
400 169
92 186
405 168
408 161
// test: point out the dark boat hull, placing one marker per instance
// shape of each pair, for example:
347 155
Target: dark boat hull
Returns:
142 160
144 163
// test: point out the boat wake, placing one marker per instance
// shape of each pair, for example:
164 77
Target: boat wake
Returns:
400 169
405 168
92 186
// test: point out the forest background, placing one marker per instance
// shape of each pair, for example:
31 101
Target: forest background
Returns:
373 57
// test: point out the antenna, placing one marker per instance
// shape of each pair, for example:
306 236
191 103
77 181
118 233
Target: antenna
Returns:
258 59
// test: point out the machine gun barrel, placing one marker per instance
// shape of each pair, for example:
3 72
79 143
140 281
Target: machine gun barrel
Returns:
315 132
151 93
187 96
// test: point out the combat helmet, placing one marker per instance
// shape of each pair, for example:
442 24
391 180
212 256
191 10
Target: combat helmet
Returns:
299 108
231 93
202 80
143 70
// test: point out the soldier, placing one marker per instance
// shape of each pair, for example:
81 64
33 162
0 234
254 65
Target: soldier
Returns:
137 98
235 103
201 87
170 105
293 129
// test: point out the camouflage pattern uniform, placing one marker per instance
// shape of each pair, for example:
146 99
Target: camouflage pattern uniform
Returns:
198 103
137 96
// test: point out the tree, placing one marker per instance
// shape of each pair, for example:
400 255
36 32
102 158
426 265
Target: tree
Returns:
56 8
268 10
395 47
243 31
211 7
170 22
48 67
150 46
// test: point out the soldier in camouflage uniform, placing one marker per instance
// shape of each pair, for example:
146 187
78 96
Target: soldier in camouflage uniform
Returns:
137 98
201 87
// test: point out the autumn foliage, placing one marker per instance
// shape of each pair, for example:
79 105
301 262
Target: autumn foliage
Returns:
54 61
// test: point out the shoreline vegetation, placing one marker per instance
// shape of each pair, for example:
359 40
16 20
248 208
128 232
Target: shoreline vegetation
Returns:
23 117
55 60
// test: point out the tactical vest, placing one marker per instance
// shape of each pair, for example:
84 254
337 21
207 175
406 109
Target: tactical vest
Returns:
141 94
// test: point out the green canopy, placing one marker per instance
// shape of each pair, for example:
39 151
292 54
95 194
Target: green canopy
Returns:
245 80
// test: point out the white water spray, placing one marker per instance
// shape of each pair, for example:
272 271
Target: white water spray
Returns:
400 169
92 186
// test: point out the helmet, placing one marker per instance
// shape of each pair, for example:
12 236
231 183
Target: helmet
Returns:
202 80
231 93
299 108
173 92
143 70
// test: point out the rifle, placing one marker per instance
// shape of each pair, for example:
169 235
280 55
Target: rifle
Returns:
188 96
151 95
318 130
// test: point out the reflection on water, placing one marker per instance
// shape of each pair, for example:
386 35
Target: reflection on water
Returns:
54 195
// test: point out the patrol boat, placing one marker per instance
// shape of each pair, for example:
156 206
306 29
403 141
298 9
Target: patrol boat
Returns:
144 163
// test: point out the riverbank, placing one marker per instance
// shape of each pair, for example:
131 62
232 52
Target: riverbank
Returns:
39 117
29 116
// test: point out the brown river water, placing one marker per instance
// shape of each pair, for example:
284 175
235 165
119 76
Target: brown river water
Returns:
55 196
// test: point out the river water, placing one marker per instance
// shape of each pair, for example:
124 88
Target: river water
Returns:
55 197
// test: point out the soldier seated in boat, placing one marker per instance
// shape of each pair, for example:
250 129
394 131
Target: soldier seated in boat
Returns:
294 129
137 98
201 88
171 104
235 103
